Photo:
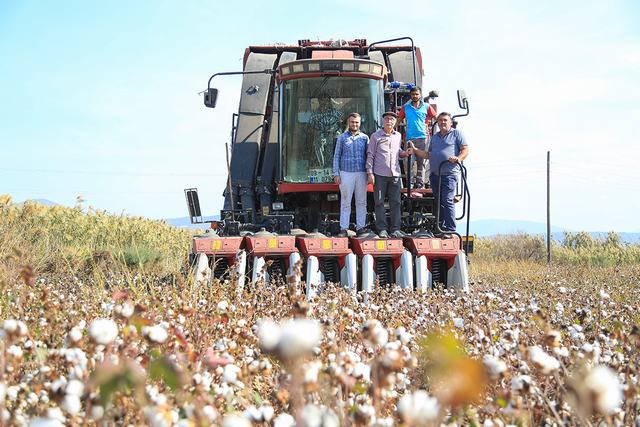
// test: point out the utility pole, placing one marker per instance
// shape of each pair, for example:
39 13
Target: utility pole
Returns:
548 207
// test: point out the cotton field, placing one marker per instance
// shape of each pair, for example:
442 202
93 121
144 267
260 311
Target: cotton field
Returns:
144 350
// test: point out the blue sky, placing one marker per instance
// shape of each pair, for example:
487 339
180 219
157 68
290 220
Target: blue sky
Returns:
100 99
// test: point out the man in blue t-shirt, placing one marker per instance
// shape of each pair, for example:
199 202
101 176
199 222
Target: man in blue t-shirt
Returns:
417 114
447 145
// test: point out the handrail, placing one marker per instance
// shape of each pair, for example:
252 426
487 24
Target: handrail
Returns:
463 174
413 52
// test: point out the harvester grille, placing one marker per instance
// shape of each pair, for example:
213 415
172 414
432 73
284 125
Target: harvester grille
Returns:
330 268
220 267
384 271
439 272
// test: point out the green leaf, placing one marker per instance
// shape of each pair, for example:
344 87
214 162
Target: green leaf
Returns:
162 369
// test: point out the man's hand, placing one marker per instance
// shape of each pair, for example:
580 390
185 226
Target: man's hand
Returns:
371 179
454 159
336 179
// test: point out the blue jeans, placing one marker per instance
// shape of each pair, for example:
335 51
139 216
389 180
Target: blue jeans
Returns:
447 207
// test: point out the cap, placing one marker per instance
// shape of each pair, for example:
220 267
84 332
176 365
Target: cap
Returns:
390 113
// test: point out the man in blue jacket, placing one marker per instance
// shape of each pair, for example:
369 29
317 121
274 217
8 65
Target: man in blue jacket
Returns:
417 114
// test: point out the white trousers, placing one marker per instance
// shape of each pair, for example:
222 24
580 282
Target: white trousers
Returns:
353 183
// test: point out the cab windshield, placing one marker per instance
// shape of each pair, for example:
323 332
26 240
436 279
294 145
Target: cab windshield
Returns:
315 112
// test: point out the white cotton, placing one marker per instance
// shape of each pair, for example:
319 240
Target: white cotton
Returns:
418 408
284 420
494 365
268 334
235 421
606 389
155 333
103 331
542 360
71 403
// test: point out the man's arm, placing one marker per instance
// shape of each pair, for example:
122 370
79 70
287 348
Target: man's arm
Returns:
401 115
336 160
371 153
423 154
464 152
463 149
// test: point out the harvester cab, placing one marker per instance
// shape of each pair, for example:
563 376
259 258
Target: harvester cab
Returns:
281 206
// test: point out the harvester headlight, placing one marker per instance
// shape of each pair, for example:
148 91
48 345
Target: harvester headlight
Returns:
332 197
277 206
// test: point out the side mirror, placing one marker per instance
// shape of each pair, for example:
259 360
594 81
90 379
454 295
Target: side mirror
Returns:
193 203
210 97
462 99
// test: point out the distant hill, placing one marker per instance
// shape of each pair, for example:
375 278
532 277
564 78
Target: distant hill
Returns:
185 222
492 227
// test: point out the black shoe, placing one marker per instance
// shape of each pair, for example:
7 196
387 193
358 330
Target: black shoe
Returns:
446 236
383 234
418 185
398 234
342 233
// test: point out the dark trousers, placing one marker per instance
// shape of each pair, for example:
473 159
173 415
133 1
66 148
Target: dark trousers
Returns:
447 207
390 187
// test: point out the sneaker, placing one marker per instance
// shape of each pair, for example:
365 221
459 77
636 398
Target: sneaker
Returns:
446 235
363 232
383 234
418 185
342 233
398 234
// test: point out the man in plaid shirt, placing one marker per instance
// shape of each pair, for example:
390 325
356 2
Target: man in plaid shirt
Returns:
349 173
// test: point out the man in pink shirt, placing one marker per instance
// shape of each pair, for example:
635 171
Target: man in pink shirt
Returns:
383 171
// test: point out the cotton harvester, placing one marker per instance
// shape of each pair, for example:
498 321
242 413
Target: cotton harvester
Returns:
281 207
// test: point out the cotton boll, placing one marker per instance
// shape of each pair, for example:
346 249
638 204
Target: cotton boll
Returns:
71 403
284 420
542 360
418 408
268 335
103 331
298 337
605 388
495 366
156 333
